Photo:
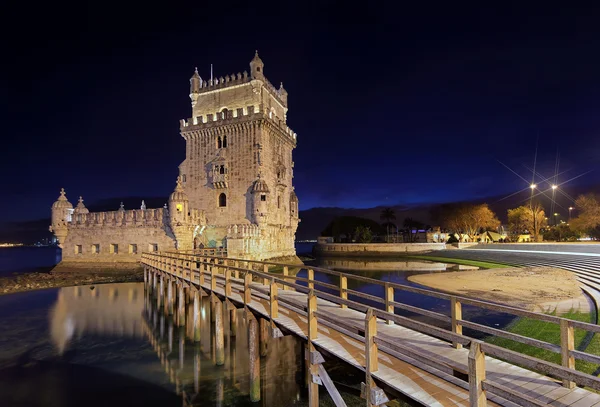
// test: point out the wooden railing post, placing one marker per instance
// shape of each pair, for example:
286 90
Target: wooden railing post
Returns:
313 386
389 299
227 281
343 289
310 275
477 397
567 344
274 311
456 312
285 274
247 292
266 271
371 355
213 276
236 273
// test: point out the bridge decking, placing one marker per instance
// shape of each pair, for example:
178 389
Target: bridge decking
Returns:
421 367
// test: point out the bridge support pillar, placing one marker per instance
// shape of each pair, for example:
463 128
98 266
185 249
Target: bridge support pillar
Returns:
264 335
196 316
254 360
219 334
154 283
233 321
181 306
170 297
181 347
161 292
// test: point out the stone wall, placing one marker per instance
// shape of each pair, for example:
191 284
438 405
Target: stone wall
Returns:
374 249
130 242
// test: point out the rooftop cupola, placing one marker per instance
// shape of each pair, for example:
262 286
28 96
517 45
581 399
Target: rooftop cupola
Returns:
61 215
62 202
178 194
195 85
257 67
80 208
260 186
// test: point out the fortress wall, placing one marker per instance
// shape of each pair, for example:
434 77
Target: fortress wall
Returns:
145 237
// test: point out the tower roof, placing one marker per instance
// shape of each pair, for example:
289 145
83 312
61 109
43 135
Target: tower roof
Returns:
178 194
260 185
80 208
62 202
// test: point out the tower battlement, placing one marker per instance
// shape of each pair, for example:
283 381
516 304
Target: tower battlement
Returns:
233 117
239 79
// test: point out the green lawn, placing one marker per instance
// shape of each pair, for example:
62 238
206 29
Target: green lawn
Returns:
481 264
549 332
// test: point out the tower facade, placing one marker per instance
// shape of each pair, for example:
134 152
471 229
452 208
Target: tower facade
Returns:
238 167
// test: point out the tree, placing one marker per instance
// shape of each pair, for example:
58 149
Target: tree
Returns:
527 218
343 228
469 218
588 207
363 234
387 215
410 224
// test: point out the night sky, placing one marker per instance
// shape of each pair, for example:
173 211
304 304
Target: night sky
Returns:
390 105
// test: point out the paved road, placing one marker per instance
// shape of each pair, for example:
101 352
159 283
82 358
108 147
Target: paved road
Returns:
581 259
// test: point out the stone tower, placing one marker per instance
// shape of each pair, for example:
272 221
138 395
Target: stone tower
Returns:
238 166
62 211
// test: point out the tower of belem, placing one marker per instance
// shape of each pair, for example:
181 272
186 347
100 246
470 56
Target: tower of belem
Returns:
234 188
239 166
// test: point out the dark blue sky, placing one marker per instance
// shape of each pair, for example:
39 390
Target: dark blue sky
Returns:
391 105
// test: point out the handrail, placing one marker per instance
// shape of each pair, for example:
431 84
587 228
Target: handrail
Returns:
206 264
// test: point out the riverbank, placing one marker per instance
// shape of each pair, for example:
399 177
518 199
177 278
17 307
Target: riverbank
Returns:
53 279
526 287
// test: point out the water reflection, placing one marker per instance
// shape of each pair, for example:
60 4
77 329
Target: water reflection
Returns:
273 378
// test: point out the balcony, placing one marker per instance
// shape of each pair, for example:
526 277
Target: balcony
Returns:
220 181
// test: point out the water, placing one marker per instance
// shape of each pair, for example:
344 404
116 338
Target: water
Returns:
109 345
26 259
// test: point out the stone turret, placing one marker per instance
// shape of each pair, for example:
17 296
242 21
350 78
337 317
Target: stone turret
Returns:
80 208
179 217
260 201
61 216
195 84
257 67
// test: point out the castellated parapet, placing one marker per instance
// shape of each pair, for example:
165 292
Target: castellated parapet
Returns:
234 188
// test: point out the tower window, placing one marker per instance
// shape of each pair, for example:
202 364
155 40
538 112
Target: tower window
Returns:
278 202
222 200
184 178
222 169
258 68
114 248
219 142
133 248
78 249
224 141
95 248
263 197
179 207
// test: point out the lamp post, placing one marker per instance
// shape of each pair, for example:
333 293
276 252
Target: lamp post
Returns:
570 209
533 187
555 215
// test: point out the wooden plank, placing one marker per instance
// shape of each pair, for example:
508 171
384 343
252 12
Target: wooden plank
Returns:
331 389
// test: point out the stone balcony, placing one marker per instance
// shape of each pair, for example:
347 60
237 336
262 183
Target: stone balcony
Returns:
220 180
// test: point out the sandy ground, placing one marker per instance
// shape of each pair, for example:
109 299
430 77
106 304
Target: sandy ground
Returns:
533 288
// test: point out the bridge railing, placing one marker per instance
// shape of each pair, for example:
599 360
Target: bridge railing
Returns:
189 265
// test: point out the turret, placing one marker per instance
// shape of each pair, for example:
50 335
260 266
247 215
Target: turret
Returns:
178 205
260 201
80 210
257 67
283 94
61 215
195 84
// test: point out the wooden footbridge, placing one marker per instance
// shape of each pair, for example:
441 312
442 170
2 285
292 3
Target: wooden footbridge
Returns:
402 358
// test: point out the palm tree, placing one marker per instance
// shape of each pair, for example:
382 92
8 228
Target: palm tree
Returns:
388 215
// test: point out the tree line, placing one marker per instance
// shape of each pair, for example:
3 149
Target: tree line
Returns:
471 220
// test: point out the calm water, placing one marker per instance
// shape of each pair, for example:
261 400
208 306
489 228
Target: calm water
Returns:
109 345
26 259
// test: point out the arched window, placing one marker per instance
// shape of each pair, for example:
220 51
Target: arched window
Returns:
222 169
222 200
224 141
219 142
278 202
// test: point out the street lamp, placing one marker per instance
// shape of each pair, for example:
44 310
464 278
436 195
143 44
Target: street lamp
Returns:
554 186
533 186
570 209
555 215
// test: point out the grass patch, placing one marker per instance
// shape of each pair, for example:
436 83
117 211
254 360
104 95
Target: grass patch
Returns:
549 332
481 264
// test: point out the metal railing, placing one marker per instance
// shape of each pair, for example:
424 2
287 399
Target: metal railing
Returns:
192 265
